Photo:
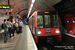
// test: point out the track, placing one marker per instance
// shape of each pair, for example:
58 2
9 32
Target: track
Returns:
42 45
45 45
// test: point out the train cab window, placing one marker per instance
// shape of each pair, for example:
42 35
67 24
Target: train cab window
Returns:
47 21
39 21
55 21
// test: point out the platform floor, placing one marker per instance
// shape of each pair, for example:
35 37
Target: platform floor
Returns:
22 41
10 43
26 41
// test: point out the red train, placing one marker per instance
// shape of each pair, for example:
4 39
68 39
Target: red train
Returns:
44 24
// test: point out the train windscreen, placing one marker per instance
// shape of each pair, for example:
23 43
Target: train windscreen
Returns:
47 21
55 21
40 21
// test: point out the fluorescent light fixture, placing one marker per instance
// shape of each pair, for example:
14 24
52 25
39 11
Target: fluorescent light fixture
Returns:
33 1
28 13
30 9
31 5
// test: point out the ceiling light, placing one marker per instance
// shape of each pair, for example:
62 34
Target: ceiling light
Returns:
30 9
33 1
31 5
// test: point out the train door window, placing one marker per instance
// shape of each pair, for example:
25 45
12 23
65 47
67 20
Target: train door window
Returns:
39 21
55 21
33 24
33 21
47 21
29 22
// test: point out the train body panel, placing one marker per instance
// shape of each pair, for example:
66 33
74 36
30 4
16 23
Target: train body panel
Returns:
48 30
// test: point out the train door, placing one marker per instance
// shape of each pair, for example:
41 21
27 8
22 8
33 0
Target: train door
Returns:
33 26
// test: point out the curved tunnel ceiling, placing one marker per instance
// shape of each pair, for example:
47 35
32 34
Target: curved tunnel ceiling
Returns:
22 10
44 5
22 6
19 9
18 6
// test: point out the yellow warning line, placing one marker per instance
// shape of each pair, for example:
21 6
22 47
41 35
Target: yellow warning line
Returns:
28 40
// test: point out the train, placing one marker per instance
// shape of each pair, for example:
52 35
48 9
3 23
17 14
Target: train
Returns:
45 24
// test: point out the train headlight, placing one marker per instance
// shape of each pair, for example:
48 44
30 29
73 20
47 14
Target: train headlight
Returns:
57 31
39 32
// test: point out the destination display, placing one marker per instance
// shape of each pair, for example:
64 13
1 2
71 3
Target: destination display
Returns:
5 7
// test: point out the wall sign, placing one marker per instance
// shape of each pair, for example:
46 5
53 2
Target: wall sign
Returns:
5 7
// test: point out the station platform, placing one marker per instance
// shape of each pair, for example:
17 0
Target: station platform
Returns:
11 43
26 41
22 41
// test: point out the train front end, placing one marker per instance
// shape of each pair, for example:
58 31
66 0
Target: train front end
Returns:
47 25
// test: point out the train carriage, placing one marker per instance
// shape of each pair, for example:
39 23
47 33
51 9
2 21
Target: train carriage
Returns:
44 24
